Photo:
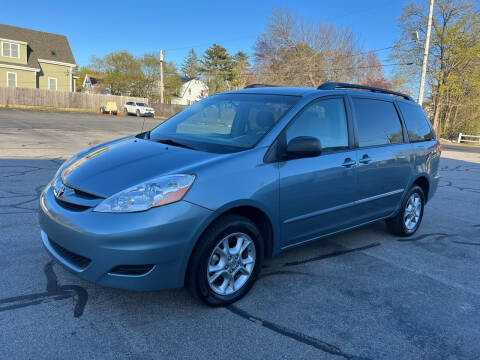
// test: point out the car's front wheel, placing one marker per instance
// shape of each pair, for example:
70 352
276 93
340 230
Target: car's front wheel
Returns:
408 219
226 262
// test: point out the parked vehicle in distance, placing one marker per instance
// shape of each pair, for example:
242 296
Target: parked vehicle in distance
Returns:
138 109
204 197
108 107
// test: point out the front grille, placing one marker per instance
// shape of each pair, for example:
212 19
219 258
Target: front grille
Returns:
70 206
79 261
131 270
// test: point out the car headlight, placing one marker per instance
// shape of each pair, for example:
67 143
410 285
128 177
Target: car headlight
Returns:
157 192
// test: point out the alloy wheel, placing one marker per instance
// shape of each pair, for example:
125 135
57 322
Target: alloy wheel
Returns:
231 263
413 210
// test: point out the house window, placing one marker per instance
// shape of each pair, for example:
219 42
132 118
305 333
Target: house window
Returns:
10 50
52 83
11 79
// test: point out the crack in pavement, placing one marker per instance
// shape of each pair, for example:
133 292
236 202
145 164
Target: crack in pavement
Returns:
330 255
293 334
54 291
439 236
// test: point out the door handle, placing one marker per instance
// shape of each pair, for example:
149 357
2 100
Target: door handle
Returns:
348 162
365 159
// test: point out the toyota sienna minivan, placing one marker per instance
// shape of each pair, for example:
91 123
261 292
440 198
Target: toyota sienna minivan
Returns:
202 199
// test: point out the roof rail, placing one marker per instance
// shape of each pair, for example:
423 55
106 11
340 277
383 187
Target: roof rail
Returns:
253 86
340 85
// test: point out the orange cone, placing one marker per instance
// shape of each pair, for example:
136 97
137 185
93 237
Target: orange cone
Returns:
110 113
101 112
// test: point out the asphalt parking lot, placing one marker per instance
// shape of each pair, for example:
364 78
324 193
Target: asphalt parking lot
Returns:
364 294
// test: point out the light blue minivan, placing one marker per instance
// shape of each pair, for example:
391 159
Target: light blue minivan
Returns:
204 197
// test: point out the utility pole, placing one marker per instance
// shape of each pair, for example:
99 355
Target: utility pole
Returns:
425 55
161 76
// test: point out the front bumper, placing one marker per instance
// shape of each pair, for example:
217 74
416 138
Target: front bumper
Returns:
91 244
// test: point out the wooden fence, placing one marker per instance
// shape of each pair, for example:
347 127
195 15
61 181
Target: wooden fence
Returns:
59 99
167 110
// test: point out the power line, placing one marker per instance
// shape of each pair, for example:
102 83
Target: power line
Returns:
316 70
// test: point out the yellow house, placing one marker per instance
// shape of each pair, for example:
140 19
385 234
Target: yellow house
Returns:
35 59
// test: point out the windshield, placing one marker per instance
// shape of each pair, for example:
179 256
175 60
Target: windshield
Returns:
225 122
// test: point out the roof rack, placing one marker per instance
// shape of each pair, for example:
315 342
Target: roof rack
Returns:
253 86
340 85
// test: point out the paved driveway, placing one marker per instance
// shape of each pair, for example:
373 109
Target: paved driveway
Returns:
362 294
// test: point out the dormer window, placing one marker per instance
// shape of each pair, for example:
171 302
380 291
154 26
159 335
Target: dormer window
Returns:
10 50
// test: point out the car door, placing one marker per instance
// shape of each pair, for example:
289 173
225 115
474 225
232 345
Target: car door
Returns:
317 194
384 157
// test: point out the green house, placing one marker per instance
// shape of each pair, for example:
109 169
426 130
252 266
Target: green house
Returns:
35 59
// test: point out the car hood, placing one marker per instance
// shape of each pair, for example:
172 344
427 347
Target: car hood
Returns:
108 169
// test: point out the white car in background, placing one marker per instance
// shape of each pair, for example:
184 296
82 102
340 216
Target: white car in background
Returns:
138 108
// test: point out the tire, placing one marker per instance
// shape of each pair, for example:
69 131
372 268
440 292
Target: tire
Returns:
235 230
399 224
138 113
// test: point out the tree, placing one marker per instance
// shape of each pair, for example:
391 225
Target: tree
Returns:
296 52
240 71
372 74
122 73
216 68
191 65
151 71
454 53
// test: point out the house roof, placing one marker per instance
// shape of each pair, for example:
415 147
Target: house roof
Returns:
41 45
187 79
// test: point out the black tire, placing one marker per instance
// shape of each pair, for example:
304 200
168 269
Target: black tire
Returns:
396 225
197 281
138 113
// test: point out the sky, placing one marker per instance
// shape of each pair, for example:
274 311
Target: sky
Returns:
100 27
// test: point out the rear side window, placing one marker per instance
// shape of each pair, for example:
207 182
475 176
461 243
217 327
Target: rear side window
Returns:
418 126
326 120
377 122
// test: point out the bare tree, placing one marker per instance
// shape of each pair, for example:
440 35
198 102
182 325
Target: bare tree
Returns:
300 53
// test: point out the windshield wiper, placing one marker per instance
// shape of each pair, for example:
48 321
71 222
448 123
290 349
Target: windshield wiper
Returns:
174 143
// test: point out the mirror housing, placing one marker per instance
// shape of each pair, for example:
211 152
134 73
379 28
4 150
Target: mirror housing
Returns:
303 147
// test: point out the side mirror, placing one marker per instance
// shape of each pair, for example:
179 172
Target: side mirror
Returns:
303 146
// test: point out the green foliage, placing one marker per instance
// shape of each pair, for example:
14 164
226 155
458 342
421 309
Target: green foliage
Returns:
81 76
453 71
122 73
125 74
216 67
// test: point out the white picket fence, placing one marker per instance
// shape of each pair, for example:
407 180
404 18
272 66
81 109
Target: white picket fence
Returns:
462 136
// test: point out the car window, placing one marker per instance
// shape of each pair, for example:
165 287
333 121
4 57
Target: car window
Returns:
418 126
377 122
325 120
226 122
141 104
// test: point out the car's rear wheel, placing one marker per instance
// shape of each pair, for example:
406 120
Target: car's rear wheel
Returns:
408 219
226 262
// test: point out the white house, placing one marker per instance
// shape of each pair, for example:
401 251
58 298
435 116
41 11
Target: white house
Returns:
192 90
